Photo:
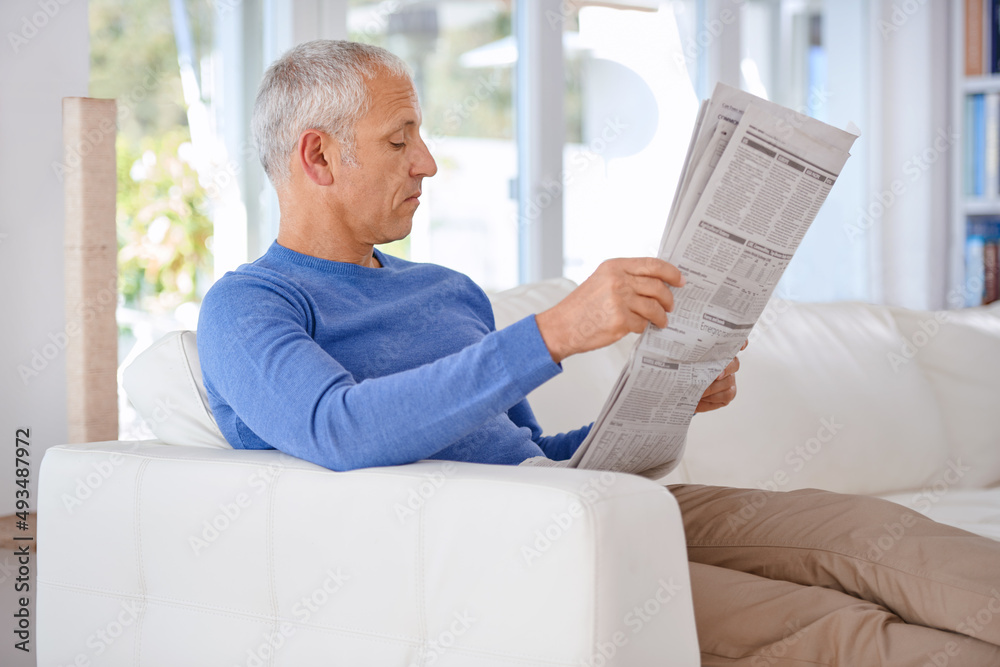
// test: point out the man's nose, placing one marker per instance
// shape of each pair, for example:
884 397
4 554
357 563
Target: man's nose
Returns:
423 163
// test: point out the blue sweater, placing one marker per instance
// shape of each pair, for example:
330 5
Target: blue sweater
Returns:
350 367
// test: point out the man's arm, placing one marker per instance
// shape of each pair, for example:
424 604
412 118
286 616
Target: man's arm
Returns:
621 297
259 359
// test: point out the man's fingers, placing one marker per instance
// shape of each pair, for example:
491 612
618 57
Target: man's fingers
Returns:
720 386
654 288
636 323
714 404
654 267
717 400
731 369
650 310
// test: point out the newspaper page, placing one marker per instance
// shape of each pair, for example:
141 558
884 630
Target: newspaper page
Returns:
755 177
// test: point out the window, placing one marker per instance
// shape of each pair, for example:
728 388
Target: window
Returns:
148 55
630 106
462 55
802 54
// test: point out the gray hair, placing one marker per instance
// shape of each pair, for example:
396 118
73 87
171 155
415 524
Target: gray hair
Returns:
318 85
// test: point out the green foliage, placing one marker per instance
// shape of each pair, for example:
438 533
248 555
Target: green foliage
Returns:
164 230
133 59
163 222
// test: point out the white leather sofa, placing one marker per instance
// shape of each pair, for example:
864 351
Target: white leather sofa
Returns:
184 551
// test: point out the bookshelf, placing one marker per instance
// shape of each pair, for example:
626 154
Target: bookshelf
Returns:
975 166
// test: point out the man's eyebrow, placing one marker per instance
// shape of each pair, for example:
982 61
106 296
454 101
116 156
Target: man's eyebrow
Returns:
399 126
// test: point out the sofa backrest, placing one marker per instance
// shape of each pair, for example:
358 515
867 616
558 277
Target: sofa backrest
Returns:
849 397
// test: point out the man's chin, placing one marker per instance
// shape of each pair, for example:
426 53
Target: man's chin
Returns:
399 231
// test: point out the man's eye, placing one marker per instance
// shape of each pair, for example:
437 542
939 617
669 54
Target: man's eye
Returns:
397 145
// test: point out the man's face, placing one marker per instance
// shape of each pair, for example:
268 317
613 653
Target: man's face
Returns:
377 198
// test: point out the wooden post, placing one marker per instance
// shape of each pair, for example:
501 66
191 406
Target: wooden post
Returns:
91 245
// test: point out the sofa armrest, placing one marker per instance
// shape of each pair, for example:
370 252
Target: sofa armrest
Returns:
153 554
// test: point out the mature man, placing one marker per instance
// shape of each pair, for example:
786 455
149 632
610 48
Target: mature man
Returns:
333 352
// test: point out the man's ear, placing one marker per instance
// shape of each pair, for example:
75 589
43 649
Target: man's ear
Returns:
315 154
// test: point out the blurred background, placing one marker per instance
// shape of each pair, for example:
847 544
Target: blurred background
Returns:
559 127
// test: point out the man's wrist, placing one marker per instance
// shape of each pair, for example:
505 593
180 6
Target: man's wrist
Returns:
548 327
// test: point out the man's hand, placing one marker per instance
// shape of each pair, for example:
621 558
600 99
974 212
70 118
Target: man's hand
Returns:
621 297
722 391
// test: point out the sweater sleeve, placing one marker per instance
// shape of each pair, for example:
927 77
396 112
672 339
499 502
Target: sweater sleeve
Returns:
258 358
557 447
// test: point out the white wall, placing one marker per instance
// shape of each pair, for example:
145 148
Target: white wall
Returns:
44 56
914 118
41 66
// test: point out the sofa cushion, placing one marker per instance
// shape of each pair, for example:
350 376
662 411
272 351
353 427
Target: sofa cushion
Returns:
959 353
165 386
974 510
820 405
575 397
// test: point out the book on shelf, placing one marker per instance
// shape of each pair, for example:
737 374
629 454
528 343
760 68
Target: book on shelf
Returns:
982 37
974 38
991 265
993 30
975 153
982 261
991 134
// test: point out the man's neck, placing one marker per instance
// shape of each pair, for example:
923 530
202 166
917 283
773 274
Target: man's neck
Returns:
362 255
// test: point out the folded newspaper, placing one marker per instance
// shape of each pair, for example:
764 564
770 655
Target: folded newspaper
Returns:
754 178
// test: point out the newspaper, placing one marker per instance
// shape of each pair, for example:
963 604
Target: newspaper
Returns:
754 178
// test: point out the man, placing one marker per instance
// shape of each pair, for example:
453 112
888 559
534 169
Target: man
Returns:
299 352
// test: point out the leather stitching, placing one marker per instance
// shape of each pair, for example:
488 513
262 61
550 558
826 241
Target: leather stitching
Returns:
137 509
